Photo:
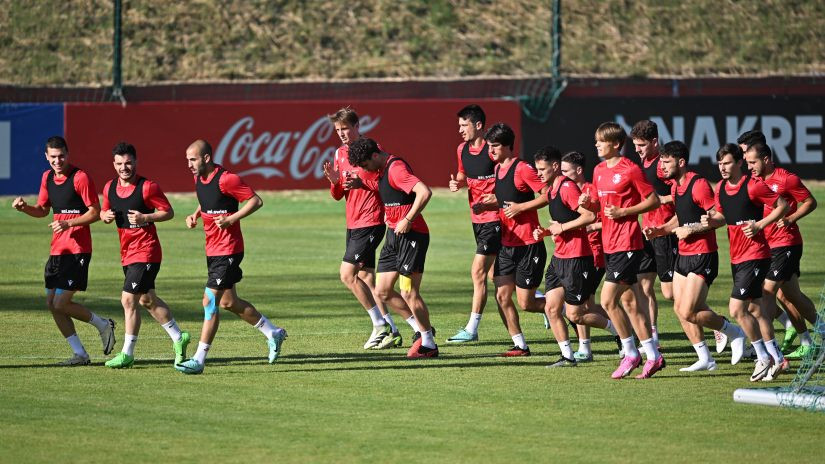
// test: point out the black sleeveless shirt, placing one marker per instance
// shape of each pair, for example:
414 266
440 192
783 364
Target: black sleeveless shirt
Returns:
652 175
687 210
211 199
739 208
63 197
389 195
559 212
121 206
478 166
506 188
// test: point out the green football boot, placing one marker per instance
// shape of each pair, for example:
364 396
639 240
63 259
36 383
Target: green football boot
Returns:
180 347
121 361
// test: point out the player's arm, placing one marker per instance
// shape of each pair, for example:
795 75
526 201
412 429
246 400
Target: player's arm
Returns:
648 204
37 211
665 199
332 174
804 208
780 208
251 205
192 219
487 202
660 231
92 215
422 197
585 217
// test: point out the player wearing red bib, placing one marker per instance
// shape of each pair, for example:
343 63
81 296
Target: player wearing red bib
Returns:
407 240
220 193
476 168
624 193
660 252
572 167
365 227
740 203
785 241
520 262
130 202
70 193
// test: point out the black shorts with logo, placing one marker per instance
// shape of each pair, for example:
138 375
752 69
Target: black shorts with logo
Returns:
594 280
705 265
573 275
748 277
67 272
622 267
224 271
665 250
140 277
404 253
526 262
361 245
488 237
785 263
648 262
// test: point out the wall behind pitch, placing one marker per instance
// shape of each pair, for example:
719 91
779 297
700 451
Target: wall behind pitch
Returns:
272 145
24 129
793 126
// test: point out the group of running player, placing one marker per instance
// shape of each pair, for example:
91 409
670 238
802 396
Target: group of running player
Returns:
596 234
594 227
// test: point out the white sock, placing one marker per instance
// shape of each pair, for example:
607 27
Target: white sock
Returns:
566 351
427 339
519 341
472 324
77 347
388 320
651 353
773 350
413 323
584 346
610 328
731 330
129 342
377 318
266 328
784 320
655 334
172 329
805 339
702 351
759 348
200 355
629 347
99 322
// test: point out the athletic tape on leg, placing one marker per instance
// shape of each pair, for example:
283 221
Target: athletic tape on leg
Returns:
405 283
210 309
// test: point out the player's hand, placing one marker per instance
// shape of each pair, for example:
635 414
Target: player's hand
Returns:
784 222
19 204
453 183
331 174
191 221
584 199
751 229
136 217
403 226
539 232
653 232
613 212
555 228
59 226
665 199
223 221
107 216
512 210
682 232
352 182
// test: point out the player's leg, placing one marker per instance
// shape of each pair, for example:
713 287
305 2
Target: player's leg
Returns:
63 304
611 293
554 308
131 324
160 311
505 288
393 337
647 283
66 326
350 276
410 287
690 309
479 272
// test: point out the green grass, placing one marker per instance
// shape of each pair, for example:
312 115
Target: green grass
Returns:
58 42
327 400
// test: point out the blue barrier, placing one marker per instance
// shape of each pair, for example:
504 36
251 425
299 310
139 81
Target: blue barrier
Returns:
24 129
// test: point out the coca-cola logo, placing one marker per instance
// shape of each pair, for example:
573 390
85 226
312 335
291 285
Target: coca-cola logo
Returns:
301 153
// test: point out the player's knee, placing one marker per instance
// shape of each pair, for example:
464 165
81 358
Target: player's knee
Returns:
348 278
575 314
60 305
147 301
524 301
383 293
210 308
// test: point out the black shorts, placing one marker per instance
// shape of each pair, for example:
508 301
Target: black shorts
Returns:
665 250
525 261
785 263
748 278
67 272
705 265
594 280
140 277
648 262
622 267
572 274
488 238
224 271
405 253
361 245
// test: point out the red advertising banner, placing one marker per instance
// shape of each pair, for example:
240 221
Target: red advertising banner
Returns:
272 145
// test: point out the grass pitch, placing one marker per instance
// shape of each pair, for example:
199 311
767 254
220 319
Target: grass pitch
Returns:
327 400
